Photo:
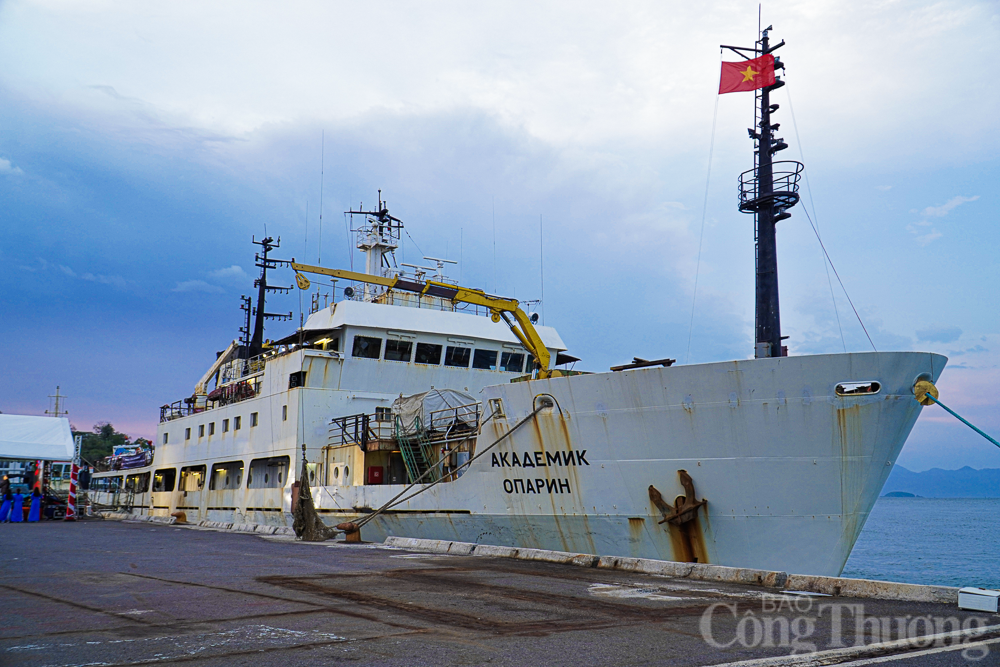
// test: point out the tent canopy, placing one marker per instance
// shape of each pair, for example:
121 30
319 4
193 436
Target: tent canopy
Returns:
415 412
24 437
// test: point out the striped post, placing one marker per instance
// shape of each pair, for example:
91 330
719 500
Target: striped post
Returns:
71 499
74 476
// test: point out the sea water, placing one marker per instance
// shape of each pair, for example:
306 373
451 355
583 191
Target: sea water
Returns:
938 541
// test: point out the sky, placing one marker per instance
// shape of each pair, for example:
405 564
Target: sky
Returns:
578 148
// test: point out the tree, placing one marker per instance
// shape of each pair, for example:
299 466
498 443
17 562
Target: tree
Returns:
101 442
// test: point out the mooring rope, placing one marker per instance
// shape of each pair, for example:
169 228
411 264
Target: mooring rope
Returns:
393 502
962 419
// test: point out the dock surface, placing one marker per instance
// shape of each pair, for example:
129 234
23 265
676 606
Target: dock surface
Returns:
122 593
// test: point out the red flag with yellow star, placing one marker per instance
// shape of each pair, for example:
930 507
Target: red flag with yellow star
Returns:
747 75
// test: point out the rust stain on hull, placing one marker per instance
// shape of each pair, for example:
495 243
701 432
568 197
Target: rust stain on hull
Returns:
852 475
688 542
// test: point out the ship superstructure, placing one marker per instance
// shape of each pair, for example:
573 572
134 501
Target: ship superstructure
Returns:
771 462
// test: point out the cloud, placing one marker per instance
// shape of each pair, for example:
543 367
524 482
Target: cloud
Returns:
113 281
883 188
232 273
7 168
197 286
972 350
935 212
948 206
46 266
939 333
927 238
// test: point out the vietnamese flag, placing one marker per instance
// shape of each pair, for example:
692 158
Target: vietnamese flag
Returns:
747 75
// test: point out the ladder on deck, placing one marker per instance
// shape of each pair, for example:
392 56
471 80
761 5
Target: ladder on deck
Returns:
417 453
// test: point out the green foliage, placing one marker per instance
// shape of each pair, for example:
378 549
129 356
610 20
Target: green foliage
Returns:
101 441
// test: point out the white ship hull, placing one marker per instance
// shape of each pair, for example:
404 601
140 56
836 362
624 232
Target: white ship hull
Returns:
789 469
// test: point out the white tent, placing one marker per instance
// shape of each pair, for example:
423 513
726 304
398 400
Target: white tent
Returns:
24 437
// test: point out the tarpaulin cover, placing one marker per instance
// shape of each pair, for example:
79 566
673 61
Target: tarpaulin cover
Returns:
409 408
24 437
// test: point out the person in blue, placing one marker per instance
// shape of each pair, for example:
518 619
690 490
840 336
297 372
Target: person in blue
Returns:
17 508
35 513
5 507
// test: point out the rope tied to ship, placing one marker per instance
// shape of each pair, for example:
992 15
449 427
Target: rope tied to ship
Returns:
546 402
926 393
306 522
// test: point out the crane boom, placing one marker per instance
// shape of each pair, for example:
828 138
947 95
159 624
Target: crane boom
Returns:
501 308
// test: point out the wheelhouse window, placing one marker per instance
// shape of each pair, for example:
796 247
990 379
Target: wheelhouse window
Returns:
457 356
201 430
270 473
428 353
211 428
485 360
367 347
511 362
164 479
253 419
187 434
398 350
225 426
227 475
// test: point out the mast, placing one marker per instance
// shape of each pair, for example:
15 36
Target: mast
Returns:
767 191
378 238
264 263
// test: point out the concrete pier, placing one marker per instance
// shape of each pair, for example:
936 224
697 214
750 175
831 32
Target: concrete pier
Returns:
123 592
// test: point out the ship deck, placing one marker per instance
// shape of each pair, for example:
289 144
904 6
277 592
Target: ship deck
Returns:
110 593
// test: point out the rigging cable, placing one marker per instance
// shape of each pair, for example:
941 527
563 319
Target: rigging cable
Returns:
413 242
701 236
812 202
815 231
393 502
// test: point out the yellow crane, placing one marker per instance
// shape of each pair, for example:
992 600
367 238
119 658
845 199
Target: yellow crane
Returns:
500 307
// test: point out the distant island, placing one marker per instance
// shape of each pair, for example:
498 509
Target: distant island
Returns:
937 483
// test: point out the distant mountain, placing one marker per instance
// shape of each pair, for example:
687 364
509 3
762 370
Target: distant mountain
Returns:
900 494
937 483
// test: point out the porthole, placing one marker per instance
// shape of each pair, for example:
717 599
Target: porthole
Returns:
347 472
858 388
336 473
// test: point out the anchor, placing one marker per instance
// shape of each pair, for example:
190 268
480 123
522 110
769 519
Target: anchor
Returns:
685 507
